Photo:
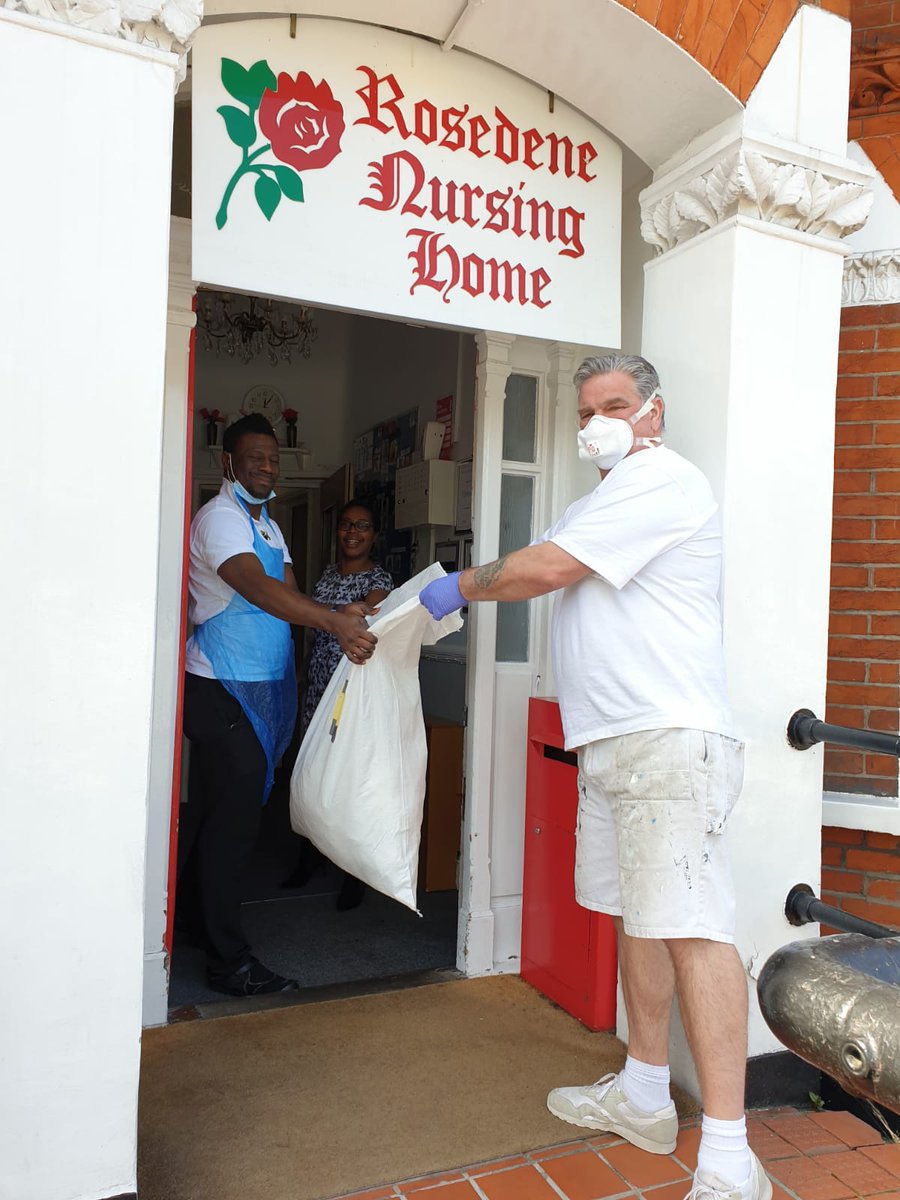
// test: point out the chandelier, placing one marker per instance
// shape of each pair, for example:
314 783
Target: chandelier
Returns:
246 327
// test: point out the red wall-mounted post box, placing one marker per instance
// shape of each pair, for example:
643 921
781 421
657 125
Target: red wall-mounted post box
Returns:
568 952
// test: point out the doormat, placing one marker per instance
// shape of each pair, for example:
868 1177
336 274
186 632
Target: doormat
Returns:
323 1099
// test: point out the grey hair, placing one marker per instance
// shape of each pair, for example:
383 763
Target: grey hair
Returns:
643 373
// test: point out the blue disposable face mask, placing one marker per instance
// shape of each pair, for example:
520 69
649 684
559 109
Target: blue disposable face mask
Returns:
241 491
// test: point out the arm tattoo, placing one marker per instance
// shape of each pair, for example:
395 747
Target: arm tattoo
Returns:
489 574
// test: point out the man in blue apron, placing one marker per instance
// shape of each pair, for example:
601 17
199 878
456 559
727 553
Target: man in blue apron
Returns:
240 696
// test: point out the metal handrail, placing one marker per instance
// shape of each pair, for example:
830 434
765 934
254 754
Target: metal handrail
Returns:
804 729
803 907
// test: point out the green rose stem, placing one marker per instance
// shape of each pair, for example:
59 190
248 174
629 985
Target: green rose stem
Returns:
244 169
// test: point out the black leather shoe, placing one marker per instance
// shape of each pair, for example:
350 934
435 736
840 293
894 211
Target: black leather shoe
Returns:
252 979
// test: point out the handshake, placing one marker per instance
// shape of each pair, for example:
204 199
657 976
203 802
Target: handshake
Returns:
442 596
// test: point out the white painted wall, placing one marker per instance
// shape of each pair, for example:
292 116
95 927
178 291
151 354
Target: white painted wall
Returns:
748 370
635 253
802 94
84 234
742 323
557 45
360 371
882 230
316 387
180 322
394 367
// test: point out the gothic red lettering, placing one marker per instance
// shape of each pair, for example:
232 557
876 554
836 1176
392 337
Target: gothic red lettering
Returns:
531 141
428 258
539 280
426 121
498 214
563 144
568 230
386 183
473 275
370 94
398 181
478 127
386 108
586 155
506 280
437 265
451 122
469 194
507 139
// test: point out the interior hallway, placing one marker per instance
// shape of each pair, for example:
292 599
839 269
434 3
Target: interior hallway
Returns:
809 1156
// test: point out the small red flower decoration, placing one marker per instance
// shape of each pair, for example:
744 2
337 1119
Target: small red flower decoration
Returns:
290 415
303 122
211 414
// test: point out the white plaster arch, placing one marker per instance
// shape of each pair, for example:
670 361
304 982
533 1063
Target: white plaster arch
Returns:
649 94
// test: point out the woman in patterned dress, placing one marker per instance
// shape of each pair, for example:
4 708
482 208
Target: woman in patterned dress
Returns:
353 577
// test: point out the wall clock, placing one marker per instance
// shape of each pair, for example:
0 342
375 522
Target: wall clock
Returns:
266 400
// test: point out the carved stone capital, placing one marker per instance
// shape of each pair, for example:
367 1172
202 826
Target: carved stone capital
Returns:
872 277
762 182
163 24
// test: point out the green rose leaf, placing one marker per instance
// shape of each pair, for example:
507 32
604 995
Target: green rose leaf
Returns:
247 86
268 195
240 125
261 76
290 181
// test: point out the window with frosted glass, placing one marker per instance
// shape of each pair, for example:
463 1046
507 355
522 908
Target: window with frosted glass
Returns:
520 419
516 506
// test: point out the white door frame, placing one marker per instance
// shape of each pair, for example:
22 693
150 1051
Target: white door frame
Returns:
475 944
476 933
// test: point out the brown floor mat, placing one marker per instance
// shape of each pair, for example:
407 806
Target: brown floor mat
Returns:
318 1100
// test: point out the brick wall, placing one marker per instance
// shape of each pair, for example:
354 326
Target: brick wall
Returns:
861 874
733 39
864 627
874 93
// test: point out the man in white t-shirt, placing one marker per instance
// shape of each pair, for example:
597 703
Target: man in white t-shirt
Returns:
637 647
240 694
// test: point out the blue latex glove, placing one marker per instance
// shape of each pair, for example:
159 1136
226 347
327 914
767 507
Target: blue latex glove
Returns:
442 596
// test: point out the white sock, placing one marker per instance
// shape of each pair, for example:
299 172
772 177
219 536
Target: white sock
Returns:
724 1150
645 1086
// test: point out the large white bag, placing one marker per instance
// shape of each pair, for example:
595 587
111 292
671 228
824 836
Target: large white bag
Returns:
358 786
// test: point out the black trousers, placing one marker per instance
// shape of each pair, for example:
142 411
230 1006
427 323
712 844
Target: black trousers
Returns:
219 824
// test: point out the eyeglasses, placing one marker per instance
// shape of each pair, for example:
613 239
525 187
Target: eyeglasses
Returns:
361 526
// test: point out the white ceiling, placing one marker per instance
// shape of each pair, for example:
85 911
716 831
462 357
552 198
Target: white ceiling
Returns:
595 54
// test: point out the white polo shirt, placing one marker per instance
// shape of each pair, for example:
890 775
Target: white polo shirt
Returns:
220 530
637 644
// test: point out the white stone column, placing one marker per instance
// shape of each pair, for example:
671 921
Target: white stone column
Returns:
475 946
741 317
84 230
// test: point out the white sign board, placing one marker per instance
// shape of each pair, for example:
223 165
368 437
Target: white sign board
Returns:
367 170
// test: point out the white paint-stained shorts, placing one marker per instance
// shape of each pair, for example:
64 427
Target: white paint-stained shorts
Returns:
652 812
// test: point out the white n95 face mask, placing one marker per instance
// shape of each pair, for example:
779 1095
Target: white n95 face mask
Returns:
604 441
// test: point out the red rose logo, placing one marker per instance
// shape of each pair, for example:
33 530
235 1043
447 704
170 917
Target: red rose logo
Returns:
303 122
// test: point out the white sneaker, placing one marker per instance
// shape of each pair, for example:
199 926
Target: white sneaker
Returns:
713 1187
603 1105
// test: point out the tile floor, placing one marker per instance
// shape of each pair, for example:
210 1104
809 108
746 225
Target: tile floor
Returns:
809 1156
